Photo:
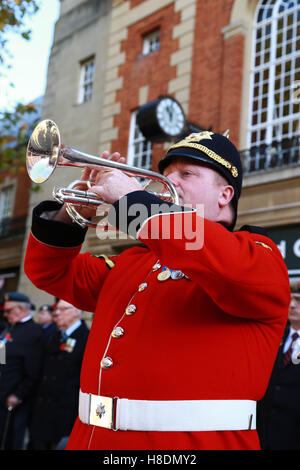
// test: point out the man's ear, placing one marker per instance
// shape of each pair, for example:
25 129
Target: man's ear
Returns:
225 196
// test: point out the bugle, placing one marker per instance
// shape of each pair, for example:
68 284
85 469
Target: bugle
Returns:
45 152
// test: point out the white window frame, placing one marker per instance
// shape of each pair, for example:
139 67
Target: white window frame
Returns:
151 42
267 118
7 202
7 199
139 149
86 81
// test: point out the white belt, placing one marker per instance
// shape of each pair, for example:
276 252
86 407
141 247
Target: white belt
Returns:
167 415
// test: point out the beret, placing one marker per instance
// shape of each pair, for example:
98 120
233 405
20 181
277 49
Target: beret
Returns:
16 297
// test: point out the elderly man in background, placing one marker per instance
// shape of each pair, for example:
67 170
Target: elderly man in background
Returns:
279 411
24 343
56 402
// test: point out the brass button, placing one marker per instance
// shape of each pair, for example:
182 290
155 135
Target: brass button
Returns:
117 332
130 310
156 267
106 363
143 286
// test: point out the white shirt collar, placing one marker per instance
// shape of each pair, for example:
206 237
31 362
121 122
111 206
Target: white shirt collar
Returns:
292 331
73 327
288 340
29 317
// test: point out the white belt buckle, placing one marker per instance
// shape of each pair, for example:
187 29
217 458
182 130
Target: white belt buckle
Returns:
102 411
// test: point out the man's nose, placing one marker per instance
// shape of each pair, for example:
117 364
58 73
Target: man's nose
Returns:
173 177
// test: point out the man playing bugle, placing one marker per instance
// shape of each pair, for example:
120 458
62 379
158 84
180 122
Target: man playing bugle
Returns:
187 324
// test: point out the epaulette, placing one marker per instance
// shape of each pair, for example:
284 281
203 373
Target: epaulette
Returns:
109 263
259 231
253 229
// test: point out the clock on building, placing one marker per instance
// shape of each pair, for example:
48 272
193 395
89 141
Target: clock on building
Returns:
161 119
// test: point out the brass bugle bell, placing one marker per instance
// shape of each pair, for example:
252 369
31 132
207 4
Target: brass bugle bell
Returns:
45 153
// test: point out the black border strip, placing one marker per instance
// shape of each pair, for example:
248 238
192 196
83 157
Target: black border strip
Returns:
54 232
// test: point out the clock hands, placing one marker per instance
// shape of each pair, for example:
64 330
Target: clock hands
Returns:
169 110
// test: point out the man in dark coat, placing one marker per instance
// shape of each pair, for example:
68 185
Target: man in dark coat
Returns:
279 411
45 319
24 344
56 402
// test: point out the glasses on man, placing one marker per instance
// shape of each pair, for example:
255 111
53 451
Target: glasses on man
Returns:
62 309
8 310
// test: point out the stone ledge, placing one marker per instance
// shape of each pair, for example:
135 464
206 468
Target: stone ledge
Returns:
239 27
270 176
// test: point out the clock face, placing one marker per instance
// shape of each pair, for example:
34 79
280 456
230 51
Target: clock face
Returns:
170 116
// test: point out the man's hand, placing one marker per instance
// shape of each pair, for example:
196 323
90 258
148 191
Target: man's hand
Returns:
12 401
107 183
111 185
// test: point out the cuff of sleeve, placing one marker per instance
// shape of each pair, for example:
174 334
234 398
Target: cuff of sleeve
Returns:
129 213
54 232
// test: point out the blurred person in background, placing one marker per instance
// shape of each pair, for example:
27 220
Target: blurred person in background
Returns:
24 343
56 401
2 343
2 322
279 411
45 319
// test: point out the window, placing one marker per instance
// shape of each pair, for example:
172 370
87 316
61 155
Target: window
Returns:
274 113
86 80
151 42
6 202
139 149
6 208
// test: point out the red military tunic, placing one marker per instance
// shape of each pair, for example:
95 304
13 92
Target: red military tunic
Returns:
212 335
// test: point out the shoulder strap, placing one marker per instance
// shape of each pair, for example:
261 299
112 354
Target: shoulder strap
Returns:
253 229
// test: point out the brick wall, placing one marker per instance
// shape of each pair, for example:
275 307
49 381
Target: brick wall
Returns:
195 64
216 80
231 87
22 194
22 183
153 70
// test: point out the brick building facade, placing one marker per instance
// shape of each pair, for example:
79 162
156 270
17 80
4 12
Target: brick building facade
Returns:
14 201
